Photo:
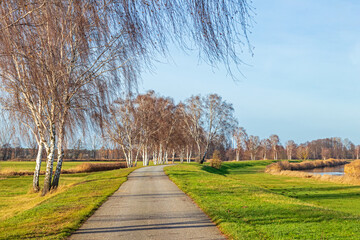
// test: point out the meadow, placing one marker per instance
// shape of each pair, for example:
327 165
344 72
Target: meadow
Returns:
24 214
247 203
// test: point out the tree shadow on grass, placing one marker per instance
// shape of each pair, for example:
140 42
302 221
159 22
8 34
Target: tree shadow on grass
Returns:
222 171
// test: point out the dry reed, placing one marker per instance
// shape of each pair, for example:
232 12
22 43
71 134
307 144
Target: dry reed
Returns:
82 168
95 167
346 179
305 165
353 169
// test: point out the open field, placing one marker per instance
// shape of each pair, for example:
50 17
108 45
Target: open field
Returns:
247 203
28 215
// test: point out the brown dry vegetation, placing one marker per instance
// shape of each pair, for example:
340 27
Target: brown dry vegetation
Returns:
82 168
95 167
305 165
285 168
346 179
353 169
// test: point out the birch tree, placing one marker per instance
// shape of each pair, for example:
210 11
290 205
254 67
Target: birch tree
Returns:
59 59
274 140
240 136
218 119
290 148
253 144
266 145
193 118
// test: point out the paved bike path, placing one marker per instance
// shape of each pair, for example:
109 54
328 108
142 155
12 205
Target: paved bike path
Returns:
148 206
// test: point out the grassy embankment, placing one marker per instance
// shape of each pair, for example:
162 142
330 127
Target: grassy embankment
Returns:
26 215
247 203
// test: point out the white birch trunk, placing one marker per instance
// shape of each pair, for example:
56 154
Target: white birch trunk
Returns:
60 156
155 157
182 156
49 162
166 157
36 186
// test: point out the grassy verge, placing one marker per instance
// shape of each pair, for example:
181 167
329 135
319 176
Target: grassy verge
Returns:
26 215
247 203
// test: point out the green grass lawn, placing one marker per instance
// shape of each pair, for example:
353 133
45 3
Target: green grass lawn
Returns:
247 203
26 215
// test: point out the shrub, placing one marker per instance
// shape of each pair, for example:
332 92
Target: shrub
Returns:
215 162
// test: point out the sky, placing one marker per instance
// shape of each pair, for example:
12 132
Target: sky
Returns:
302 82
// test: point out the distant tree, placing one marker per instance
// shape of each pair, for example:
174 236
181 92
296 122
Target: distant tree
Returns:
240 136
274 140
253 144
357 151
325 153
218 119
302 152
266 146
193 112
290 147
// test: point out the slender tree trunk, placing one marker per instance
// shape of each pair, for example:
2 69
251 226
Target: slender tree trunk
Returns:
146 157
36 187
237 155
199 151
173 156
49 163
143 156
56 179
187 153
155 157
60 157
189 160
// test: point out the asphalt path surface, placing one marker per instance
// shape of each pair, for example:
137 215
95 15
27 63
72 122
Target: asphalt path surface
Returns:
148 206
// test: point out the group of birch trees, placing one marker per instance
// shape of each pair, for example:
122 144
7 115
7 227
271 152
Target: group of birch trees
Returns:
63 61
150 126
252 145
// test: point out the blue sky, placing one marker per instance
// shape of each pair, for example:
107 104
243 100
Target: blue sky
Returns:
303 81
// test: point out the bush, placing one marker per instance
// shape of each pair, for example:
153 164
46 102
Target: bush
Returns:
215 162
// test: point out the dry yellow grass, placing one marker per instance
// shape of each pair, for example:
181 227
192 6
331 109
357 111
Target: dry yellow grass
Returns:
353 169
95 167
346 179
305 165
285 168
82 168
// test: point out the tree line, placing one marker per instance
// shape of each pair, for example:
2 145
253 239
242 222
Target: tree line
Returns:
254 148
149 127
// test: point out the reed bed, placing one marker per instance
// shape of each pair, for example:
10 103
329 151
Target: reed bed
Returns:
346 179
353 169
82 168
286 168
95 167
305 165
